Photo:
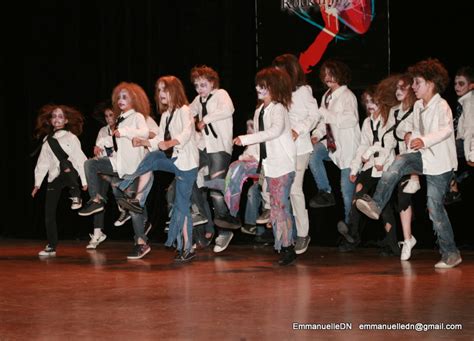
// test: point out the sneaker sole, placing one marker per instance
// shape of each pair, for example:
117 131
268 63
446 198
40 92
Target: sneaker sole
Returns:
303 250
248 232
446 266
314 205
344 231
97 210
141 256
51 254
200 222
225 246
181 260
364 207
89 246
262 221
76 207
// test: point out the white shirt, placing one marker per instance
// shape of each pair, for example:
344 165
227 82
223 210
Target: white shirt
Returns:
466 122
104 139
343 117
304 115
279 144
127 157
219 113
49 163
434 125
405 126
367 147
181 128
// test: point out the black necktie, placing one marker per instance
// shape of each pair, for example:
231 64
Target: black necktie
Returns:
263 148
330 140
204 113
457 115
167 137
114 139
375 133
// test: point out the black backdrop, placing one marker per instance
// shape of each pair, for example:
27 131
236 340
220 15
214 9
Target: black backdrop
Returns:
75 52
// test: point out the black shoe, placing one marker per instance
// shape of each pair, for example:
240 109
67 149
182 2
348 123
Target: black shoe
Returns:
249 229
343 229
185 256
287 256
345 246
322 199
130 204
228 222
139 251
91 207
266 238
452 197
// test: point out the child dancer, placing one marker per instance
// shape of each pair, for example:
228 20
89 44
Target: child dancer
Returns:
131 100
178 154
276 153
304 115
62 158
434 155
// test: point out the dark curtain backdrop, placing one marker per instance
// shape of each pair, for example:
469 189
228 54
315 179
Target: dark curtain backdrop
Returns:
75 52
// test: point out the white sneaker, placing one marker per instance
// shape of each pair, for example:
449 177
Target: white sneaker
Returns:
95 241
76 203
449 262
223 240
412 186
407 245
47 252
264 217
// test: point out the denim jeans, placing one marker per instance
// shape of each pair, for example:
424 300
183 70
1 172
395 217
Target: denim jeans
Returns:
218 163
437 186
316 165
157 160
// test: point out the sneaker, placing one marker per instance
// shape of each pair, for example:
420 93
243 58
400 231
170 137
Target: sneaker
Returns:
198 219
343 229
139 251
249 229
407 245
95 240
368 206
185 256
130 204
123 218
266 238
449 262
223 240
345 246
91 207
302 244
228 222
452 197
76 203
47 252
322 199
412 186
264 217
287 256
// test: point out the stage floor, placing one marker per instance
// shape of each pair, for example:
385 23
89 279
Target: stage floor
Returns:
240 294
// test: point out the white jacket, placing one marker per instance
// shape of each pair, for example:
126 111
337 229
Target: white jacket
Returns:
219 113
304 115
343 116
49 163
434 125
127 158
466 122
367 148
104 139
280 147
181 128
405 126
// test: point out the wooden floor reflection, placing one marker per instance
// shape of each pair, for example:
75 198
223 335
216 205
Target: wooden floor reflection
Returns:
237 295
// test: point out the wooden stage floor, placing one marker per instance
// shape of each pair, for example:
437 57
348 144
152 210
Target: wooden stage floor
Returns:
237 295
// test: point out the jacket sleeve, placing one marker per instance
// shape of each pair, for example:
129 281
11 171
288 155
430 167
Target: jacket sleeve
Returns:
309 121
278 115
78 158
140 129
187 120
42 165
445 124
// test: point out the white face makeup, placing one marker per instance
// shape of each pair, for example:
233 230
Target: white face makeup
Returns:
372 107
203 86
462 86
330 81
402 91
58 119
124 101
262 92
422 88
109 117
163 94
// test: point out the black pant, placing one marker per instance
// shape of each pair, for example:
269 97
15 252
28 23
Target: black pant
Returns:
53 193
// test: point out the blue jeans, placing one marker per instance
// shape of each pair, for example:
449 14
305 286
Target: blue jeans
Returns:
218 164
437 186
316 165
157 160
